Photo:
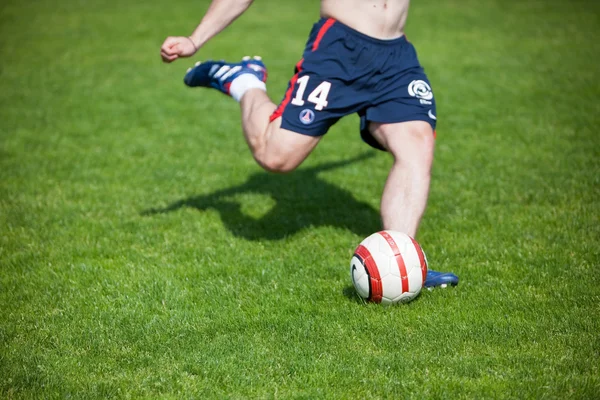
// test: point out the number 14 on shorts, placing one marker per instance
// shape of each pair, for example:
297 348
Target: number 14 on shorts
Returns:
318 96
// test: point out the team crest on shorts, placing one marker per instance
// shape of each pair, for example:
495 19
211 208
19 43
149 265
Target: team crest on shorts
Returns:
307 116
421 90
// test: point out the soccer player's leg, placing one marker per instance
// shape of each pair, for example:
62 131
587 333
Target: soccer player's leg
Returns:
406 190
407 187
274 148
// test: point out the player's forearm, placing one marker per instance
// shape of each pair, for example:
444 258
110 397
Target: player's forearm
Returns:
220 14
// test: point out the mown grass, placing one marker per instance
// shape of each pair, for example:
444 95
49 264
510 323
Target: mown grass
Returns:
144 254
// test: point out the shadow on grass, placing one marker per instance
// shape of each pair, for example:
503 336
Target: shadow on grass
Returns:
350 293
302 200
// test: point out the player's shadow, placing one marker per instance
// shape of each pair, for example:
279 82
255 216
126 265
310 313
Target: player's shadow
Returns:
297 200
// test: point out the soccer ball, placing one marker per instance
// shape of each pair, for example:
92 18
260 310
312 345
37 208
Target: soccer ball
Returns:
388 267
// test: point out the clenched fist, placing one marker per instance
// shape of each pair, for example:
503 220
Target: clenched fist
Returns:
177 46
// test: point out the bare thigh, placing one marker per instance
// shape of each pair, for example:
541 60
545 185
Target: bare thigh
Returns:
405 139
284 150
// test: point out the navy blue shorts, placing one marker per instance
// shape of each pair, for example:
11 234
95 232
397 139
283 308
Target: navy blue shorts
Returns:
344 71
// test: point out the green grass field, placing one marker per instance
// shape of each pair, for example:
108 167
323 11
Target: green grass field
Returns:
143 254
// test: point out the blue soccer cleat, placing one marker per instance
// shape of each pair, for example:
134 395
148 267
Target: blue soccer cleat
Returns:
220 74
440 279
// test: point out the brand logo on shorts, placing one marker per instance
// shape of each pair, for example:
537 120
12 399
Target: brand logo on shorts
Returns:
421 90
307 116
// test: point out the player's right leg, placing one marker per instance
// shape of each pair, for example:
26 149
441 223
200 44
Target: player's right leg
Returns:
274 148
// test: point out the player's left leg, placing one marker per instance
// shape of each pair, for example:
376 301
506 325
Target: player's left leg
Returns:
407 187
406 190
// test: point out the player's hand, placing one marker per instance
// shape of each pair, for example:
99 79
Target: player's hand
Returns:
177 46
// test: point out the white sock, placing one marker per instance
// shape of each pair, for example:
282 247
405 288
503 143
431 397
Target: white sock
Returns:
243 83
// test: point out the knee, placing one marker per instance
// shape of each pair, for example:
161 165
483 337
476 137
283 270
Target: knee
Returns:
414 146
275 163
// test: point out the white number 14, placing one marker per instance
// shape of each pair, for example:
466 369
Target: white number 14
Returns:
317 96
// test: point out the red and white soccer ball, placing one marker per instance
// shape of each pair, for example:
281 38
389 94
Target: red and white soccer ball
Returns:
388 267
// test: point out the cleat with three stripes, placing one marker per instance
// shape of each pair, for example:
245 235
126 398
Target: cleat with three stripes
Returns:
220 74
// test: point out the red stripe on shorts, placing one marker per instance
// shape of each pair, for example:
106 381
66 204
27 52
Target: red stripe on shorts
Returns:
322 33
376 289
288 95
399 259
421 258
